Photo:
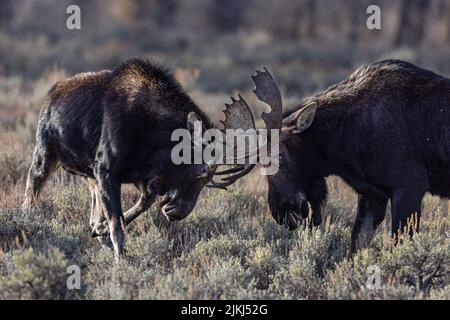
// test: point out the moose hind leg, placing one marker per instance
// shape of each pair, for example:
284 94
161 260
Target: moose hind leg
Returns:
43 164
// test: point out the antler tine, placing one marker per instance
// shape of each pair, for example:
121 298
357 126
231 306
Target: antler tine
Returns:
268 92
231 179
238 115
235 177
229 171
213 184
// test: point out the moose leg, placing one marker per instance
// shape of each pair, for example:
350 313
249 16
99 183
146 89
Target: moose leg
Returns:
100 219
94 217
406 199
371 212
109 192
43 164
146 199
406 208
97 218
144 202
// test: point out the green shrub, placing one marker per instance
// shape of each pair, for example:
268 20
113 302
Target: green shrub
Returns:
225 279
30 274
263 263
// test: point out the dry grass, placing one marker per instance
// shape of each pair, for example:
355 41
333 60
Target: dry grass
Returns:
229 247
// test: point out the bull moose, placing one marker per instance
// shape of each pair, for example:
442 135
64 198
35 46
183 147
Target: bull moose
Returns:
385 130
115 127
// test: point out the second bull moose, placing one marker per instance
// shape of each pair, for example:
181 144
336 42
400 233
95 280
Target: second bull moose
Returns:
385 130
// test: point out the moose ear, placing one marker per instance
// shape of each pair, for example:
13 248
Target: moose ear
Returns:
191 119
194 124
305 117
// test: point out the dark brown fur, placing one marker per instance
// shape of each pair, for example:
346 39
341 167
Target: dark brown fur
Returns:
385 130
115 127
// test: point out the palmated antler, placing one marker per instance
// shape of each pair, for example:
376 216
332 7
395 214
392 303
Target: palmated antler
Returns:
238 115
267 91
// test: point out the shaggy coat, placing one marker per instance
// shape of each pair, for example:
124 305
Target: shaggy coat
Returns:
115 127
385 130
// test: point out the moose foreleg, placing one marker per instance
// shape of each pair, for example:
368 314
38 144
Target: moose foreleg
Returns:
371 212
146 199
109 192
144 203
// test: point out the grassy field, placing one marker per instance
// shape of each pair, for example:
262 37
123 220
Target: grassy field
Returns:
228 248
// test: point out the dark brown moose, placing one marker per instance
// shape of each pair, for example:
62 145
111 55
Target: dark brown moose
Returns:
385 131
115 127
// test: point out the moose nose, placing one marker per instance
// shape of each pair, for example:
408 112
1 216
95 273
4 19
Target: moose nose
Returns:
172 212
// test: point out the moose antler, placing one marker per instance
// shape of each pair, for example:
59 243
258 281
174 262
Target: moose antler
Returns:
267 91
238 115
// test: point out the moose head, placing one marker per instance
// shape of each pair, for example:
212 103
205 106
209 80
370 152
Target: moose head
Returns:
293 190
